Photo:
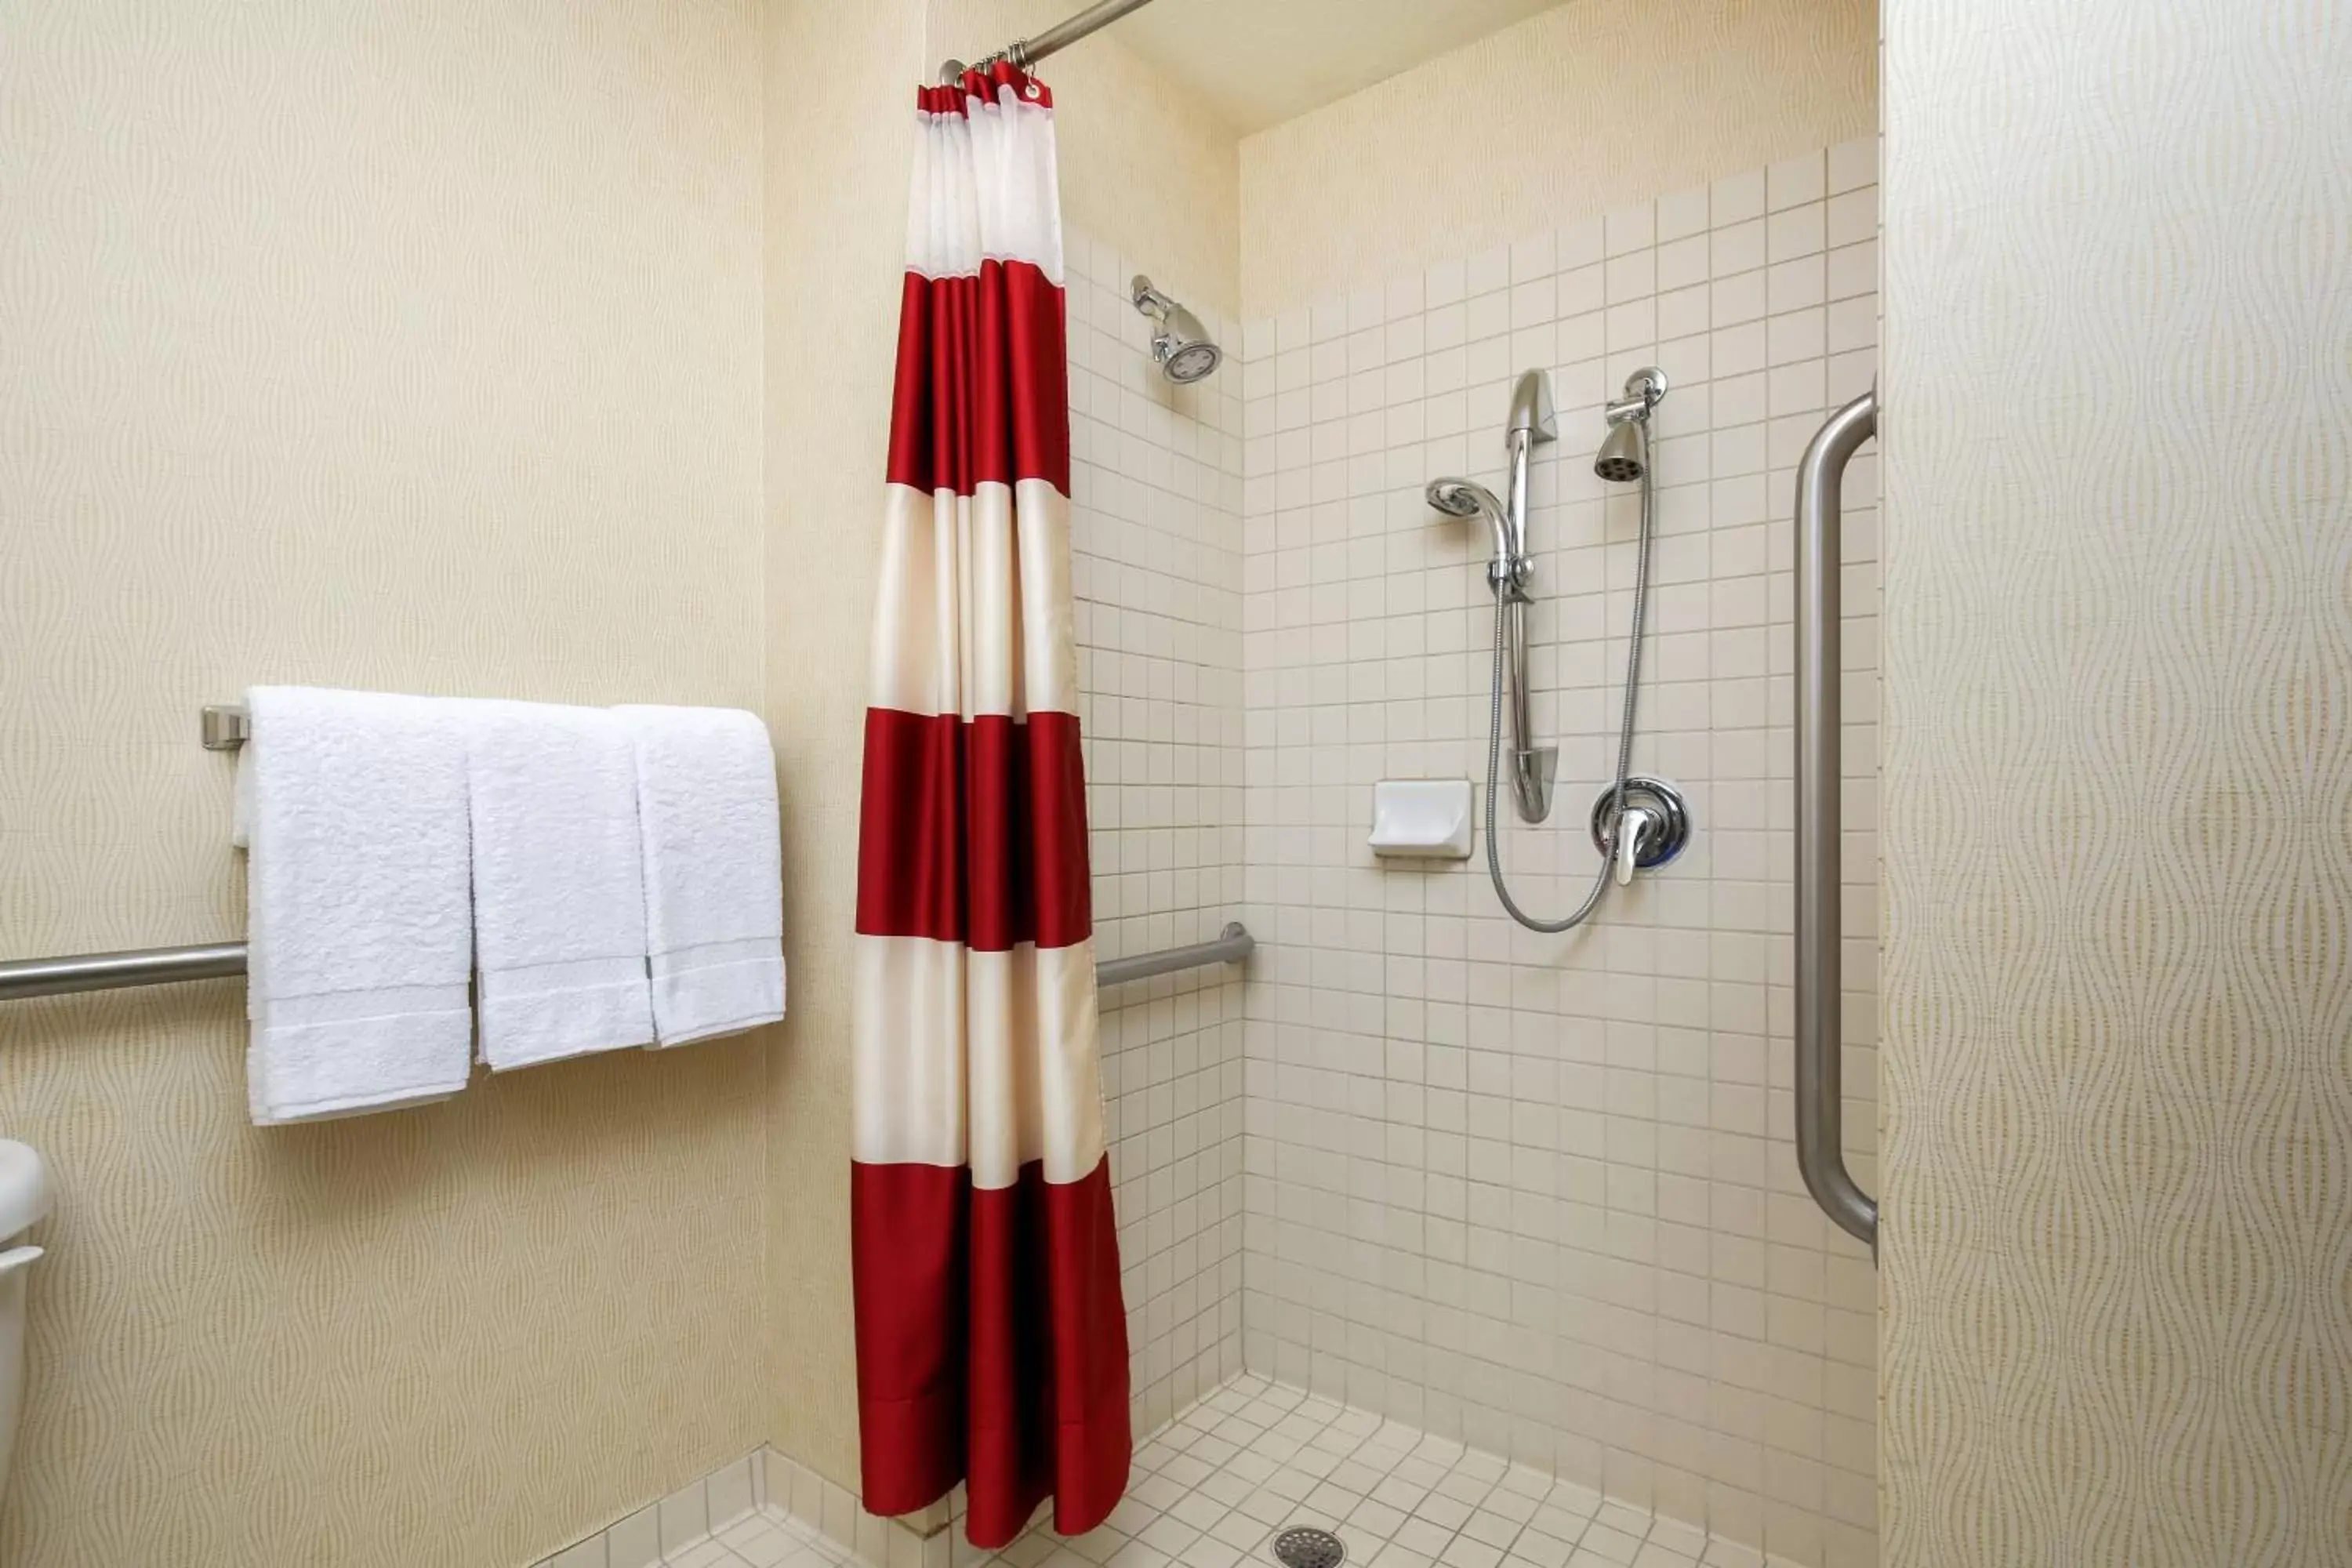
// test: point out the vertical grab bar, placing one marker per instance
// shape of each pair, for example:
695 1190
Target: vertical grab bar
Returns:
1821 1154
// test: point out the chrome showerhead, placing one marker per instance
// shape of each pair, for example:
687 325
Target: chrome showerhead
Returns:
1182 347
1624 453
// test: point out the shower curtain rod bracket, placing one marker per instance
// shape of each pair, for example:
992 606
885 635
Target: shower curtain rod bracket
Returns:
225 727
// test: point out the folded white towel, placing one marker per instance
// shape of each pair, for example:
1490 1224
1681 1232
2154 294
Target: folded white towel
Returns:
559 886
360 933
714 870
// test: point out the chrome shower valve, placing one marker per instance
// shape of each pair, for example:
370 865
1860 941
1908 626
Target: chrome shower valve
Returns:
1650 829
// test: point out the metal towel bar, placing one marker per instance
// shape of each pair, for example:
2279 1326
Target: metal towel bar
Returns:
118 970
225 729
1821 1112
222 961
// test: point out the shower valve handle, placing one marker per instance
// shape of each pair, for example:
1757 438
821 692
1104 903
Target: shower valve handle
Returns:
1635 825
1641 829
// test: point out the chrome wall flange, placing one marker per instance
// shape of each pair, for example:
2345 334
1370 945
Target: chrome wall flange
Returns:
1663 827
1644 390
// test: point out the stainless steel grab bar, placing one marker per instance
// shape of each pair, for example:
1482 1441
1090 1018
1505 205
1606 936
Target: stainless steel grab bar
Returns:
226 728
1231 946
118 970
222 961
1821 1112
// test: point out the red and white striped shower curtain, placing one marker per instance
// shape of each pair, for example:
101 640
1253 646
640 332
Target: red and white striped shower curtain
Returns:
991 1344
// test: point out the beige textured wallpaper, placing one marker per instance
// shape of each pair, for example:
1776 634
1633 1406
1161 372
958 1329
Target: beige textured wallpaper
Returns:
410 346
2117 1051
1586 107
836 251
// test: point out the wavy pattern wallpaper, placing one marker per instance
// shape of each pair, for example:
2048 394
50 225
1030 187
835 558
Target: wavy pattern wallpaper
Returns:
2117 1254
410 346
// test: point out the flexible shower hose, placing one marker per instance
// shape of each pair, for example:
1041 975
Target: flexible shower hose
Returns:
1625 745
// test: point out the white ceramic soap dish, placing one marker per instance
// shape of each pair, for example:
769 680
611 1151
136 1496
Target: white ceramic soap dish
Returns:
1423 819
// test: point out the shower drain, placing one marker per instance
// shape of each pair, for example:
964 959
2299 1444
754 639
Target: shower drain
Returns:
1303 1546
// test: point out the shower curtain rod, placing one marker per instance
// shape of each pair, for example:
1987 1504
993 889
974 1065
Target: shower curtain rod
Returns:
1027 52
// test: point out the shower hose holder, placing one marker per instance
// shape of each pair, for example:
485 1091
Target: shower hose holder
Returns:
1532 772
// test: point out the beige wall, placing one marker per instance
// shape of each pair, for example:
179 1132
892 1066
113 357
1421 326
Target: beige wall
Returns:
836 247
412 349
2118 786
1583 109
387 372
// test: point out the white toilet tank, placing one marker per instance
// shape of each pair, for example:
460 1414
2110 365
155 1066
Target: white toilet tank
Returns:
24 1201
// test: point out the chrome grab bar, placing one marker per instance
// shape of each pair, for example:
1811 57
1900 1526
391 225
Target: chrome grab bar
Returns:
222 961
1231 946
227 727
118 970
1821 1112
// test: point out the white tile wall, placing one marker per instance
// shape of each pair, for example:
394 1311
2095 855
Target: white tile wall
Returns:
764 1510
685 1527
1537 1193
1156 529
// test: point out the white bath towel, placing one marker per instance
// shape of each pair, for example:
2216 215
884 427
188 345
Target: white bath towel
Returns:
360 932
559 886
714 870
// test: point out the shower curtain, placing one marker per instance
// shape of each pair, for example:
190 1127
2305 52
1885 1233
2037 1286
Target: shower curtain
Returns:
992 1343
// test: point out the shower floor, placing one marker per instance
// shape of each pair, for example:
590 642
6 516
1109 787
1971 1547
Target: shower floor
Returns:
1212 1488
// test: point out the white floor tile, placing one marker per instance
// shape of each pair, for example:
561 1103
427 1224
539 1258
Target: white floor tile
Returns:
1215 1485
760 1541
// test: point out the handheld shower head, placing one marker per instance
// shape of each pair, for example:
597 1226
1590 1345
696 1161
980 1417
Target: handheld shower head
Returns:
1463 498
1467 498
